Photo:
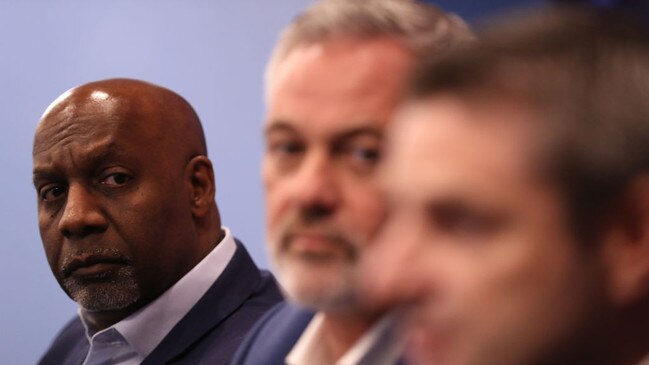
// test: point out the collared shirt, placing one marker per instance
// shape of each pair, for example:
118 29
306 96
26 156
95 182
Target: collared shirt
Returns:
375 347
123 342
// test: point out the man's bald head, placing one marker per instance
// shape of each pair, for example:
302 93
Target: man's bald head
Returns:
161 111
126 194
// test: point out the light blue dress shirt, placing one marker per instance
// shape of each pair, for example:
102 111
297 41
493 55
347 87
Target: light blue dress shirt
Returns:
131 340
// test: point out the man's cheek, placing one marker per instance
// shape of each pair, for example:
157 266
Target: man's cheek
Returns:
274 211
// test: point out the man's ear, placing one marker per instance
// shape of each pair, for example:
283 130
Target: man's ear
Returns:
626 246
199 175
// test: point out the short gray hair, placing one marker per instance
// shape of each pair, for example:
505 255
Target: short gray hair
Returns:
423 29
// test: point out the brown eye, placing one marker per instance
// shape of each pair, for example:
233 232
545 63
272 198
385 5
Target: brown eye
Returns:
285 148
284 152
116 179
365 155
362 154
52 193
461 220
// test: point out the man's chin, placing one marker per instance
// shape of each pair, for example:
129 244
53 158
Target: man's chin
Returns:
320 285
102 297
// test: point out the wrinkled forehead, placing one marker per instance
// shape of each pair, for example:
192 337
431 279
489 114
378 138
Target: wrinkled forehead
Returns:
95 115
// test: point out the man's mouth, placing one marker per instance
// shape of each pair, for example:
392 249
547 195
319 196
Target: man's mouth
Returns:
310 242
315 244
88 266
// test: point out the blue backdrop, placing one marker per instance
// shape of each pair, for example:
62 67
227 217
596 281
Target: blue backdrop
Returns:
210 51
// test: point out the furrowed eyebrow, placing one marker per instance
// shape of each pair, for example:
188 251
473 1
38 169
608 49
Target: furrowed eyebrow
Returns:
48 170
278 126
39 175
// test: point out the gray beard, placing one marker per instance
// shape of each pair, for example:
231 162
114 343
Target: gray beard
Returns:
330 289
117 292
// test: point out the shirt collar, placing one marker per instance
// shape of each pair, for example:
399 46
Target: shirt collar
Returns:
308 349
158 318
376 346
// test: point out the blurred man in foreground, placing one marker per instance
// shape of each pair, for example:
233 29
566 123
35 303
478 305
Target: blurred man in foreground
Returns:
333 82
132 233
518 186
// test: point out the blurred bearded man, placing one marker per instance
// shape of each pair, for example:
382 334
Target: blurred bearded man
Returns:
333 83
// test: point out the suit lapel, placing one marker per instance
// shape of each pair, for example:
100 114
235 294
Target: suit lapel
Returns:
237 282
79 351
78 354
69 348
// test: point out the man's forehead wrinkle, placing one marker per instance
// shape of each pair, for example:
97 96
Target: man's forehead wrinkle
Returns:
62 132
82 157
153 115
92 148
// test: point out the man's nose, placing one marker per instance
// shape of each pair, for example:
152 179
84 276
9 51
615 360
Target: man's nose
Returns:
315 186
82 214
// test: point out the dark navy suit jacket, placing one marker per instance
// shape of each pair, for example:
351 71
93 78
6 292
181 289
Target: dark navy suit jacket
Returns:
273 337
209 334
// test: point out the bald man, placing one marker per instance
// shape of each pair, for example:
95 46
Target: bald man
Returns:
132 233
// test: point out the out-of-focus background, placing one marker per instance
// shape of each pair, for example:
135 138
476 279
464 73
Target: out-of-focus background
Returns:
210 51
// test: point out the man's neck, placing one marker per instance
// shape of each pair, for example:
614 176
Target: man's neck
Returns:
341 331
102 320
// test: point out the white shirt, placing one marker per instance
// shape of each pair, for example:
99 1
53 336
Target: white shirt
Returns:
375 347
124 343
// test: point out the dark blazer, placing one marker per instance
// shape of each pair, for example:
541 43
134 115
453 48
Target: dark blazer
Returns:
211 331
273 337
